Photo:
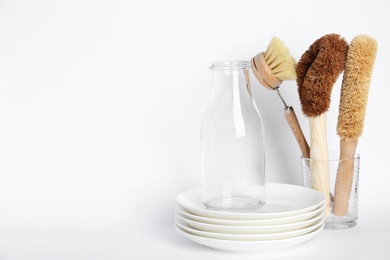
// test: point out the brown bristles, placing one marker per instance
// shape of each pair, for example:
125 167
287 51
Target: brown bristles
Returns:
318 70
354 90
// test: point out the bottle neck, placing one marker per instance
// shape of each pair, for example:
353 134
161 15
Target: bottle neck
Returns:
232 99
230 79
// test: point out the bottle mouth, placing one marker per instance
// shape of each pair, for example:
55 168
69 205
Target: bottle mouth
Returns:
230 65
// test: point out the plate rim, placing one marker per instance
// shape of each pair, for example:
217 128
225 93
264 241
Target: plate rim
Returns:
249 222
241 229
265 236
250 246
249 215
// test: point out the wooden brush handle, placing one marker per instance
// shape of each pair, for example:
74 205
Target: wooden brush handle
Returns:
292 120
344 177
319 166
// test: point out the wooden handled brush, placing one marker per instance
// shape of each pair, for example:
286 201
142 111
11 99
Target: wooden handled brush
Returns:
353 101
317 71
271 68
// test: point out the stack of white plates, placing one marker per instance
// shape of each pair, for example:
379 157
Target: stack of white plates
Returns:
292 215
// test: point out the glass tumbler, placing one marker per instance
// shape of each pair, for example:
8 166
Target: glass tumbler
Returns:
232 142
343 177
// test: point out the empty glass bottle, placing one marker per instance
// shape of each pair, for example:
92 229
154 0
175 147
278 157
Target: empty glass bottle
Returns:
232 140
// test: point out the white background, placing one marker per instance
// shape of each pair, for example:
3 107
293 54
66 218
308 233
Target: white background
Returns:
100 110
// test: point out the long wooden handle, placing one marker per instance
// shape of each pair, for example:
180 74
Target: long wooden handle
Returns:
344 177
292 120
319 165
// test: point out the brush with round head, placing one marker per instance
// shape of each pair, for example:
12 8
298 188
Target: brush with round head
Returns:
352 109
317 71
271 68
280 61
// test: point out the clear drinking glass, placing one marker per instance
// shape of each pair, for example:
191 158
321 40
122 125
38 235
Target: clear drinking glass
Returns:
343 176
232 140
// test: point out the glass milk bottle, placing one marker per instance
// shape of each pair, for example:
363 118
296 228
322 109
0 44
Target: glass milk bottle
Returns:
232 142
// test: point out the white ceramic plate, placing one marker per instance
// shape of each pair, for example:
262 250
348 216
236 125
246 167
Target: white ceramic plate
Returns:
251 246
282 200
262 222
249 237
250 229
